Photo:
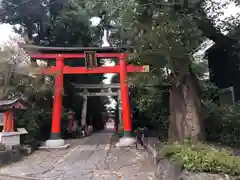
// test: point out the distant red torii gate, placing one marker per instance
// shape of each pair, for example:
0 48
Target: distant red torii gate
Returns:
61 53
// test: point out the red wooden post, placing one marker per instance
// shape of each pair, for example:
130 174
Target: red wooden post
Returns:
70 121
11 124
57 104
116 128
5 121
9 121
127 123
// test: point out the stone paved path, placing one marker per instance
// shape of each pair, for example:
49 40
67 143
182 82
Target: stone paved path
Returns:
91 158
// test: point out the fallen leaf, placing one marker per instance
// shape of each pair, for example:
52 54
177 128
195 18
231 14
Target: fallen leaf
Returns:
150 178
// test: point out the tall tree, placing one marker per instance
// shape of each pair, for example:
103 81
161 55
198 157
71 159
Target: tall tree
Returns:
56 23
165 34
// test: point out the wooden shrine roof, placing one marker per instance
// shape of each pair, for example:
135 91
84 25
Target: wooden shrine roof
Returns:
47 49
12 104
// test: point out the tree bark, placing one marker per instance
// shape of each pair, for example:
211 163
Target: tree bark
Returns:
185 120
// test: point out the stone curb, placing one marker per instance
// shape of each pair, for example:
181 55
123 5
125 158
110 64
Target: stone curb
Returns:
153 151
18 177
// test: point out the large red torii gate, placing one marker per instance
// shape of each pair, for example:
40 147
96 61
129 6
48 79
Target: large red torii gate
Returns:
61 53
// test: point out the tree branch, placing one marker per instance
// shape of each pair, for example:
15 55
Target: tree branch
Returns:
210 31
205 24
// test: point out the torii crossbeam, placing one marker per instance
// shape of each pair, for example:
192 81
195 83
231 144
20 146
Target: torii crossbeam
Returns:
90 54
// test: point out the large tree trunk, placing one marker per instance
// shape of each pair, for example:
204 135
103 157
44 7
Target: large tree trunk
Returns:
185 121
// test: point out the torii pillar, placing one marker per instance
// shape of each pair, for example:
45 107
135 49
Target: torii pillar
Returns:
55 140
125 97
127 139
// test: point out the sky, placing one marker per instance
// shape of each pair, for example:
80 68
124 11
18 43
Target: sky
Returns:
5 32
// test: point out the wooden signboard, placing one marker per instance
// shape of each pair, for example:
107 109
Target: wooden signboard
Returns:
90 59
226 96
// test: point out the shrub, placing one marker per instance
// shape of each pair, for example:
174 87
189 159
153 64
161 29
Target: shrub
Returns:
37 122
223 124
151 110
202 158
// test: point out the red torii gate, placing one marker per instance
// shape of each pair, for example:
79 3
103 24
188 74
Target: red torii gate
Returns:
89 53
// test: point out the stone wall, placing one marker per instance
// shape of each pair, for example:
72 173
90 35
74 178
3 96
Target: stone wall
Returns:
10 155
14 153
167 170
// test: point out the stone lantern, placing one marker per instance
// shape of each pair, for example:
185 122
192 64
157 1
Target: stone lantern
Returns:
2 79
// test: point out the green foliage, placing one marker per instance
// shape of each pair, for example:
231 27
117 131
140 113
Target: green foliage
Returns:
37 122
209 90
149 102
53 23
202 158
166 40
150 108
223 124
